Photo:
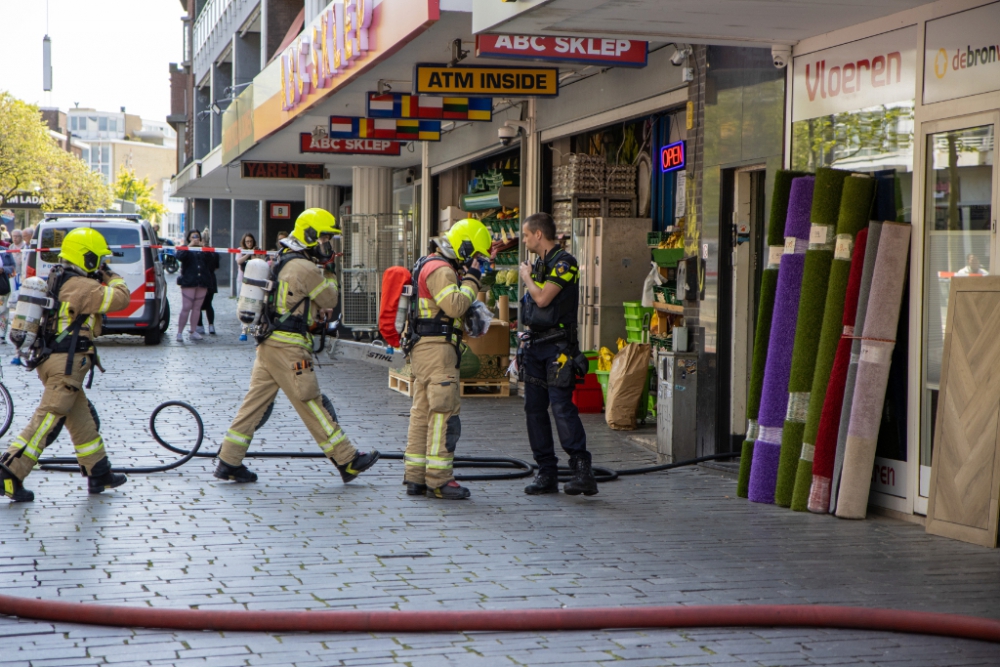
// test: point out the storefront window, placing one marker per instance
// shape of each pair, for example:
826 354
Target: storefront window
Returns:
958 216
866 140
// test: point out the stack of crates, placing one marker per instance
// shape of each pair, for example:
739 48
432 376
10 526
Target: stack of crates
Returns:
637 322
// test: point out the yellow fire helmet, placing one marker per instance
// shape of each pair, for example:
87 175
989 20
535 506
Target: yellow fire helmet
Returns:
466 238
84 248
312 223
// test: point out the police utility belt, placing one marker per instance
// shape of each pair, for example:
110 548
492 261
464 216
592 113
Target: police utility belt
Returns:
569 365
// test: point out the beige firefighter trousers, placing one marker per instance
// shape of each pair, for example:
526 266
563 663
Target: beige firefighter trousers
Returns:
434 422
63 399
290 369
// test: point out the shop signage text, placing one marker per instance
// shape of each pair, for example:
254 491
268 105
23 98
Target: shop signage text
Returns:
962 54
870 72
326 48
308 171
401 105
393 129
24 200
672 157
491 81
592 50
309 143
890 477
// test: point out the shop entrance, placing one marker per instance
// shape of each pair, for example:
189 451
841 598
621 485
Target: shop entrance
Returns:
959 221
742 244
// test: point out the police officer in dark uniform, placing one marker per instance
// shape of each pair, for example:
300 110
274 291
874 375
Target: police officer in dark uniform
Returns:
549 359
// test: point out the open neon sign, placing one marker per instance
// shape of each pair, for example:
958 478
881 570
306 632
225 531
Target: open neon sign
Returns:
672 157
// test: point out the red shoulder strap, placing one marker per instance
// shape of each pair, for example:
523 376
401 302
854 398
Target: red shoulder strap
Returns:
429 267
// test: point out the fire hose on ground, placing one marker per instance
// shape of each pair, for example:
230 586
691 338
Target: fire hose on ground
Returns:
519 468
531 620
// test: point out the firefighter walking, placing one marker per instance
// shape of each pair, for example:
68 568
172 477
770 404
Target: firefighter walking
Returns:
302 296
82 288
432 342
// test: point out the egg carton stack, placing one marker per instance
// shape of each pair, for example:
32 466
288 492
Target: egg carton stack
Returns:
619 209
581 174
562 215
620 180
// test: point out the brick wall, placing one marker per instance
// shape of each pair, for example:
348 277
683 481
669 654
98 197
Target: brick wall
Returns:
280 16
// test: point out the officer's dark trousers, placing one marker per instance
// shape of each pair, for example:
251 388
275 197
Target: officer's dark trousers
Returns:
537 400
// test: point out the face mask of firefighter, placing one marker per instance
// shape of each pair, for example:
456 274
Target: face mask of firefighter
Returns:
257 284
32 305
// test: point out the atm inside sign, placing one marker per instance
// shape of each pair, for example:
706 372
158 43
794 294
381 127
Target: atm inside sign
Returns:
489 81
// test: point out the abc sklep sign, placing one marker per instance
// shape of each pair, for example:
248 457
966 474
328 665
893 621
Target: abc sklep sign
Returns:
962 54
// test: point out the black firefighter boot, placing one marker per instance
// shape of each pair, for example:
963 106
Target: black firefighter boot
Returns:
583 478
361 462
450 491
101 477
239 474
11 486
415 489
545 482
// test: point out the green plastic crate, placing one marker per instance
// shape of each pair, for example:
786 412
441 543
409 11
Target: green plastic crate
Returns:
667 256
635 309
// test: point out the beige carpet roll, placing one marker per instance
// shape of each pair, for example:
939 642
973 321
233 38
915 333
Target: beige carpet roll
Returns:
877 343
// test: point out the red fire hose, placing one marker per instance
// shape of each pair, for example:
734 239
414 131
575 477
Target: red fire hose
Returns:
532 620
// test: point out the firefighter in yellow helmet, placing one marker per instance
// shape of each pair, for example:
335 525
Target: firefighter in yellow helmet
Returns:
82 288
302 296
446 282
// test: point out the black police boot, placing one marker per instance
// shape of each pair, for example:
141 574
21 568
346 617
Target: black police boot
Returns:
583 478
101 477
414 489
545 482
13 488
360 463
450 491
239 473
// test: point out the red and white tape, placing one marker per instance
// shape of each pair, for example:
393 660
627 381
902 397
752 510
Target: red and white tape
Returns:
231 251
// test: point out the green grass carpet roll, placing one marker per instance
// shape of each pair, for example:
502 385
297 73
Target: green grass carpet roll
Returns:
765 311
819 257
881 322
855 209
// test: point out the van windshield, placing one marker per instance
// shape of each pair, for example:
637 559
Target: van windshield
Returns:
52 237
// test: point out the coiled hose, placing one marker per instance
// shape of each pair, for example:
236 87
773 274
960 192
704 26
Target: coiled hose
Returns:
518 468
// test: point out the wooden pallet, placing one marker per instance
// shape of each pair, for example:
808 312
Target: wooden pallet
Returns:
467 388
401 383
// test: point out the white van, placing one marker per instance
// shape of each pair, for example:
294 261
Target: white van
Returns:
130 238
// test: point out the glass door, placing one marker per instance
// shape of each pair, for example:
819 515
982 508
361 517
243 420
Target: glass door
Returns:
960 192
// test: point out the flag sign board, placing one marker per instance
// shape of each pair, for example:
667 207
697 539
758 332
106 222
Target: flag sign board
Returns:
486 81
402 105
308 171
588 50
309 143
393 129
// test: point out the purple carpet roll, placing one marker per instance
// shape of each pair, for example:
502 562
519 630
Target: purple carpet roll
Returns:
774 397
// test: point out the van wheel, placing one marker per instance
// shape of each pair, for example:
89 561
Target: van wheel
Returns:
153 337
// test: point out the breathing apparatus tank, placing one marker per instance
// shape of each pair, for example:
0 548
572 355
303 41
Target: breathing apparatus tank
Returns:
404 308
253 292
31 306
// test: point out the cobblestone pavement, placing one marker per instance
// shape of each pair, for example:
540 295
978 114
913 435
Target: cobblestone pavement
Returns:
300 539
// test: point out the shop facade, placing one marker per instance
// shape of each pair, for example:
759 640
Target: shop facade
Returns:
918 93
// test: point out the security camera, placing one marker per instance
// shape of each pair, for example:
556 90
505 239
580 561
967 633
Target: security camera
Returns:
509 131
681 53
781 54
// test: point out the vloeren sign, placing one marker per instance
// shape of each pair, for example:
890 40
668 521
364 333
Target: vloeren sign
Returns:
488 81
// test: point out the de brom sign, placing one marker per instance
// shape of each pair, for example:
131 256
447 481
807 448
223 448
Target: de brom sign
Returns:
866 73
962 54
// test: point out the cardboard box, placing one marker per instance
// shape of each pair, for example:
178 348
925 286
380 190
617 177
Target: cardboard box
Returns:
496 341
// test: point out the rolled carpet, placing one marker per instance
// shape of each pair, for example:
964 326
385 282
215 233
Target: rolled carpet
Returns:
774 392
765 311
834 391
795 477
812 302
877 343
845 366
